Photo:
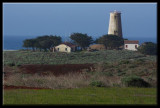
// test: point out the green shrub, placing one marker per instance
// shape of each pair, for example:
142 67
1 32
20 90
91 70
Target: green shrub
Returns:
148 48
108 56
97 84
134 81
10 64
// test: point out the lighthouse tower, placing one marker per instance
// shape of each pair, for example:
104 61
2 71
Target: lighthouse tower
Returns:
115 26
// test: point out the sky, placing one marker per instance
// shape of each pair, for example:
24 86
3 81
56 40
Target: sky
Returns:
62 19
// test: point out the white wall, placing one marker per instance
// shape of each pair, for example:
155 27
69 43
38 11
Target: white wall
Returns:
62 48
131 47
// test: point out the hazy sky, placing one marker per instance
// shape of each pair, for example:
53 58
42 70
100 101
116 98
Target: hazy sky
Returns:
36 19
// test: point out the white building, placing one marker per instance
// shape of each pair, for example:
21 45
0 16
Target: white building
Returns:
65 47
131 44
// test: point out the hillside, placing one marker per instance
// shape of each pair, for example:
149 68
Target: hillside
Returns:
108 56
77 69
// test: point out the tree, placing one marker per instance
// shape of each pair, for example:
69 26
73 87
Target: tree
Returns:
46 42
148 48
29 43
54 40
110 41
83 40
42 42
37 45
26 43
32 42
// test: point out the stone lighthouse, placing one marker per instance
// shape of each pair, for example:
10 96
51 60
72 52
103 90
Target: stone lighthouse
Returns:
115 26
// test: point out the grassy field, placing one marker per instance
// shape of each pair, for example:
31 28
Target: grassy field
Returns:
89 95
110 67
108 56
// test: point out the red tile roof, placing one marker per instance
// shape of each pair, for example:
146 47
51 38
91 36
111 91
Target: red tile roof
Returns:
131 42
69 44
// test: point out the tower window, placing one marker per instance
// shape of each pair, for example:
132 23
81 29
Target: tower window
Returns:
66 49
115 32
115 17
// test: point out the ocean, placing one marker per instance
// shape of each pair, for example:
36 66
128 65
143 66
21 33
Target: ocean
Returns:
16 42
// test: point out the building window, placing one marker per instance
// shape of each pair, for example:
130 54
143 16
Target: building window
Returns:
135 46
66 49
58 49
126 46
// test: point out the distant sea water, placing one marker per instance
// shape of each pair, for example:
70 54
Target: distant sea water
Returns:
16 42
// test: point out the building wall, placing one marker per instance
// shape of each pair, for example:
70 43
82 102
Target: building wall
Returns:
131 47
62 48
115 27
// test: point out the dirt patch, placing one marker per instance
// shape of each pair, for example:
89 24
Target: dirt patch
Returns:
55 69
6 87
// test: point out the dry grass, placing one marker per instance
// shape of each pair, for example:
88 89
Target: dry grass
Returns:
76 80
109 74
50 81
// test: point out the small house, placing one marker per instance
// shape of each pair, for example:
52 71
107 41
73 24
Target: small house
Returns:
65 47
131 44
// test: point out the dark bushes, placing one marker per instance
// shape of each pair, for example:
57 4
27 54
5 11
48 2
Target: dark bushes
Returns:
148 48
134 81
10 64
97 84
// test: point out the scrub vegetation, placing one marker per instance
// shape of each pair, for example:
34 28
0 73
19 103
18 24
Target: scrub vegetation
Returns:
109 74
110 77
106 56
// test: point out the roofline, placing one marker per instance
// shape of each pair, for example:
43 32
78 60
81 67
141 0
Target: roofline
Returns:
131 43
115 12
67 45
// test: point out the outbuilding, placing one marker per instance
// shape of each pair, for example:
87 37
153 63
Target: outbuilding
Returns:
65 47
131 44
